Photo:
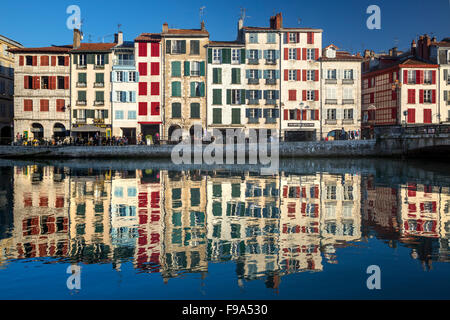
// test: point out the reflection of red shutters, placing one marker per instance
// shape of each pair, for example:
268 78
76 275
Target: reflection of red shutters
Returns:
433 206
412 207
303 207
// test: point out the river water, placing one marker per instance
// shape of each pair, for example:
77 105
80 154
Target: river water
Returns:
150 230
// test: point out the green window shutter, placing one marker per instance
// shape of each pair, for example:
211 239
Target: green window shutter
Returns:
99 96
90 58
217 96
176 89
220 75
215 76
242 96
74 113
217 115
209 55
235 76
238 76
106 58
192 89
187 69
106 114
183 46
99 77
228 96
82 77
202 89
226 54
176 68
168 46
202 68
235 116
81 95
195 110
90 114
242 56
176 110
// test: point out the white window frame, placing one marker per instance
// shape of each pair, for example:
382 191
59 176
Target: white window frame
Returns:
253 74
270 54
271 74
99 60
331 93
82 60
235 56
253 54
270 94
253 94
216 56
292 54
331 114
310 54
195 68
427 96
348 74
235 96
271 34
132 76
292 75
411 76
347 93
292 37
427 76
331 74
348 114
310 95
310 75
119 76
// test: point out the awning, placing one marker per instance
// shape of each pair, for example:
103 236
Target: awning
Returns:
88 128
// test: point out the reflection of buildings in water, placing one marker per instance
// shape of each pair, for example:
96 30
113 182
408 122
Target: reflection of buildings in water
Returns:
6 213
90 216
184 223
299 224
243 222
341 211
41 202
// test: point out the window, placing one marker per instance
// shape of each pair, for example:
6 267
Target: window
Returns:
348 74
61 60
132 76
253 94
331 93
292 54
217 55
427 96
82 96
132 115
310 75
311 54
252 74
235 116
270 95
27 105
119 76
331 114
348 93
195 47
292 75
100 59
81 78
253 54
310 95
217 96
44 105
235 56
293 37
271 74
195 68
270 55
178 46
195 110
176 68
235 76
292 95
61 84
217 75
348 114
217 115
411 76
427 77
100 78
99 96
44 82
197 89
29 60
253 38
82 59
119 114
176 110
176 89
331 74
310 37
235 96
271 38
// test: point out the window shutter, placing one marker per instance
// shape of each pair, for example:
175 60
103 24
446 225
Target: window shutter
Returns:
187 68
304 95
316 54
316 114
34 60
433 77
228 96
21 60
433 96
316 75
259 54
298 54
305 78
420 96
445 95
286 53
316 95
74 113
209 55
286 114
25 82
259 74
297 114
247 74
247 113
445 75
202 68
226 55
277 74
265 74
304 54
266 111
66 61
242 96
168 46
286 75
202 89
286 38
36 82
183 46
242 56
265 54
418 77
405 77
192 89
66 82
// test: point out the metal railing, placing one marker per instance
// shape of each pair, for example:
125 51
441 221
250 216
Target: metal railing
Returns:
124 62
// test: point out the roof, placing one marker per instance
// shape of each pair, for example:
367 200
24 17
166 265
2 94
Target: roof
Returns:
281 29
225 44
404 61
148 37
444 43
343 56
11 41
186 32
94 47
51 49
410 62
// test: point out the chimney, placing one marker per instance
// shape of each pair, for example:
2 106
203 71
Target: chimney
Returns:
426 47
76 38
240 33
394 51
165 28
413 48
202 25
390 52
276 22
118 38
434 40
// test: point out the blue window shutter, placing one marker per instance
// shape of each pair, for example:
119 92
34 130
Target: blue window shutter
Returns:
247 94
247 74
259 54
259 113
258 94
276 113
247 53
133 96
277 54
247 112
137 76
265 94
277 74
277 94
259 74
266 112
266 74
113 76
265 54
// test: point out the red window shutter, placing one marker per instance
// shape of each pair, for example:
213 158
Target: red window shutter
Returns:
316 75
297 113
298 54
411 95
372 97
286 115
433 77
411 115
142 108
66 61
405 76
44 62
53 60
292 95
316 95
304 95
34 60
154 109
418 80
286 53
36 82
391 77
316 54
142 68
155 88
52 82
298 75
44 105
287 37
66 82
21 60
142 49
297 37
286 75
142 88
304 54
25 82
420 96
316 117
27 105
59 105
154 68
154 49
304 75
427 116
304 115
394 114
394 95
433 96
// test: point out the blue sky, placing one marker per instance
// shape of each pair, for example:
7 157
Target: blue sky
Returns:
41 23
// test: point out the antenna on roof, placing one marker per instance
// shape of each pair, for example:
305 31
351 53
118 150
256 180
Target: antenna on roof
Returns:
243 16
89 37
202 13
299 20
118 27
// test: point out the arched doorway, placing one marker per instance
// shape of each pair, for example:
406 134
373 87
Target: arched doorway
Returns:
38 131
196 132
5 135
337 135
171 131
59 131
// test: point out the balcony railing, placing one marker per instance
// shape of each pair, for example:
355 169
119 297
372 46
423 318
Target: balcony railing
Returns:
347 121
348 81
253 101
330 81
330 101
124 62
330 121
348 101
253 120
253 61
81 84
99 66
80 120
271 61
81 102
253 81
271 120
271 81
271 101
99 103
81 66
99 84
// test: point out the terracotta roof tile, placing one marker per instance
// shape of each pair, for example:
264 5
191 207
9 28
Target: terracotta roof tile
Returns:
95 47
148 37
225 43
59 49
187 31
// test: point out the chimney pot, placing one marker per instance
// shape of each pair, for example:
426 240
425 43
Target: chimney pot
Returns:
165 27
76 38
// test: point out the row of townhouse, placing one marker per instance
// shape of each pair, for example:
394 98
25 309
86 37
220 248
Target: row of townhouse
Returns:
269 79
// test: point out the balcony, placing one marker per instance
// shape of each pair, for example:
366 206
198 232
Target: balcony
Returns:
99 84
253 81
330 121
330 81
347 121
271 120
81 102
330 101
81 66
271 81
81 84
253 61
253 101
99 103
348 101
99 66
271 61
271 102
123 63
253 120
348 81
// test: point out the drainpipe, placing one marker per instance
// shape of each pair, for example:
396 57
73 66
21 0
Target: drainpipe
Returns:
70 95
279 86
321 97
